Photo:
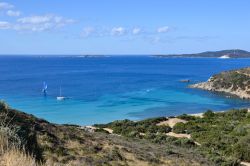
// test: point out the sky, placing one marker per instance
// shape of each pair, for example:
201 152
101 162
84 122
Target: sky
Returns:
129 27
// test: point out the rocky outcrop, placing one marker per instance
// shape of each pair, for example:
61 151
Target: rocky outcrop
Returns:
234 82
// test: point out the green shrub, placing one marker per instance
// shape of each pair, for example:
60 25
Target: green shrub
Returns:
179 128
3 106
208 114
240 131
160 138
184 142
242 148
186 117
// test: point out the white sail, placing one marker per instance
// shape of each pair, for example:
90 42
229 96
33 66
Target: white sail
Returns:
45 87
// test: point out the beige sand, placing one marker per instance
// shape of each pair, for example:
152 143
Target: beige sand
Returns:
172 134
171 122
245 163
92 129
108 130
188 136
197 115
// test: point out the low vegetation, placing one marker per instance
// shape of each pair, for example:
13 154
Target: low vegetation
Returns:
30 141
137 129
216 139
223 138
232 79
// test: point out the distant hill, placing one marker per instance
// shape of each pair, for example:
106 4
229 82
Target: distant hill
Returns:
235 53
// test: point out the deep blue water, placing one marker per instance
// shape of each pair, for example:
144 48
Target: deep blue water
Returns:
111 88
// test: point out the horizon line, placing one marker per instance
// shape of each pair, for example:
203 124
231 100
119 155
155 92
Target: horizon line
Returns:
141 54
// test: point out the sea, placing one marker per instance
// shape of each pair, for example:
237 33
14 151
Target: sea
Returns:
104 89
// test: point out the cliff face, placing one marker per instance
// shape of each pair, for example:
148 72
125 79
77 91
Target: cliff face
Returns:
235 82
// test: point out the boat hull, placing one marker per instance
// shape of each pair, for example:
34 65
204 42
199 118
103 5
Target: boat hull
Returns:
61 98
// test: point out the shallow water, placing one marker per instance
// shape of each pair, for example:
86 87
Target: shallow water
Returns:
111 88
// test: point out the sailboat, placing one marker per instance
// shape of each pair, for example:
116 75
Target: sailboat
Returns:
60 97
45 87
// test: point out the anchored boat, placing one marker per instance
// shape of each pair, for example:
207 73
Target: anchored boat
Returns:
60 97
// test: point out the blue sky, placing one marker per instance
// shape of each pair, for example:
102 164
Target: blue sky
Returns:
123 27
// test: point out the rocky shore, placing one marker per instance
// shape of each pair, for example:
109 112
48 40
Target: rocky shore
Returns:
234 82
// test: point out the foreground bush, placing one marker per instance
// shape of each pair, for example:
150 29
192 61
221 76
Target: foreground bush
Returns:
11 151
224 136
70 145
137 129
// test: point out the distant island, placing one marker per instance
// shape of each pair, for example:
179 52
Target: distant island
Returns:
92 56
234 82
234 53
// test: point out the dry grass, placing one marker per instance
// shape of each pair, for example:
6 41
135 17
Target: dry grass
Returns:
17 157
68 145
11 153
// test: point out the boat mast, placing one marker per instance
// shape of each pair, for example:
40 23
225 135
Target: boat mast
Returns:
60 91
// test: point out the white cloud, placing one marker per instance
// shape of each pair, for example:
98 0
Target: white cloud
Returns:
118 31
33 27
163 29
13 13
41 23
136 31
87 31
37 23
5 5
44 19
123 31
5 25
35 19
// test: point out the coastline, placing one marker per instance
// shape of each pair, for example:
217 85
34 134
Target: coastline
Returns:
209 86
183 131
233 82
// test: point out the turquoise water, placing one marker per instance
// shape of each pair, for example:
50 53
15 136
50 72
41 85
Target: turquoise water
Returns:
111 88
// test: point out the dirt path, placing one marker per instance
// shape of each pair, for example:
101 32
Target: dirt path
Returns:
171 122
108 130
172 134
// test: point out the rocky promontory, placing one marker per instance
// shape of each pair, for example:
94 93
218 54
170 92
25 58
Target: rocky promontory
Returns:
234 82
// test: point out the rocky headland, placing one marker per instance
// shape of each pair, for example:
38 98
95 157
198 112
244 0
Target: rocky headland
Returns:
234 82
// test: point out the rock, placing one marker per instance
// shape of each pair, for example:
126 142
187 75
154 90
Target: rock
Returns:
234 82
185 80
